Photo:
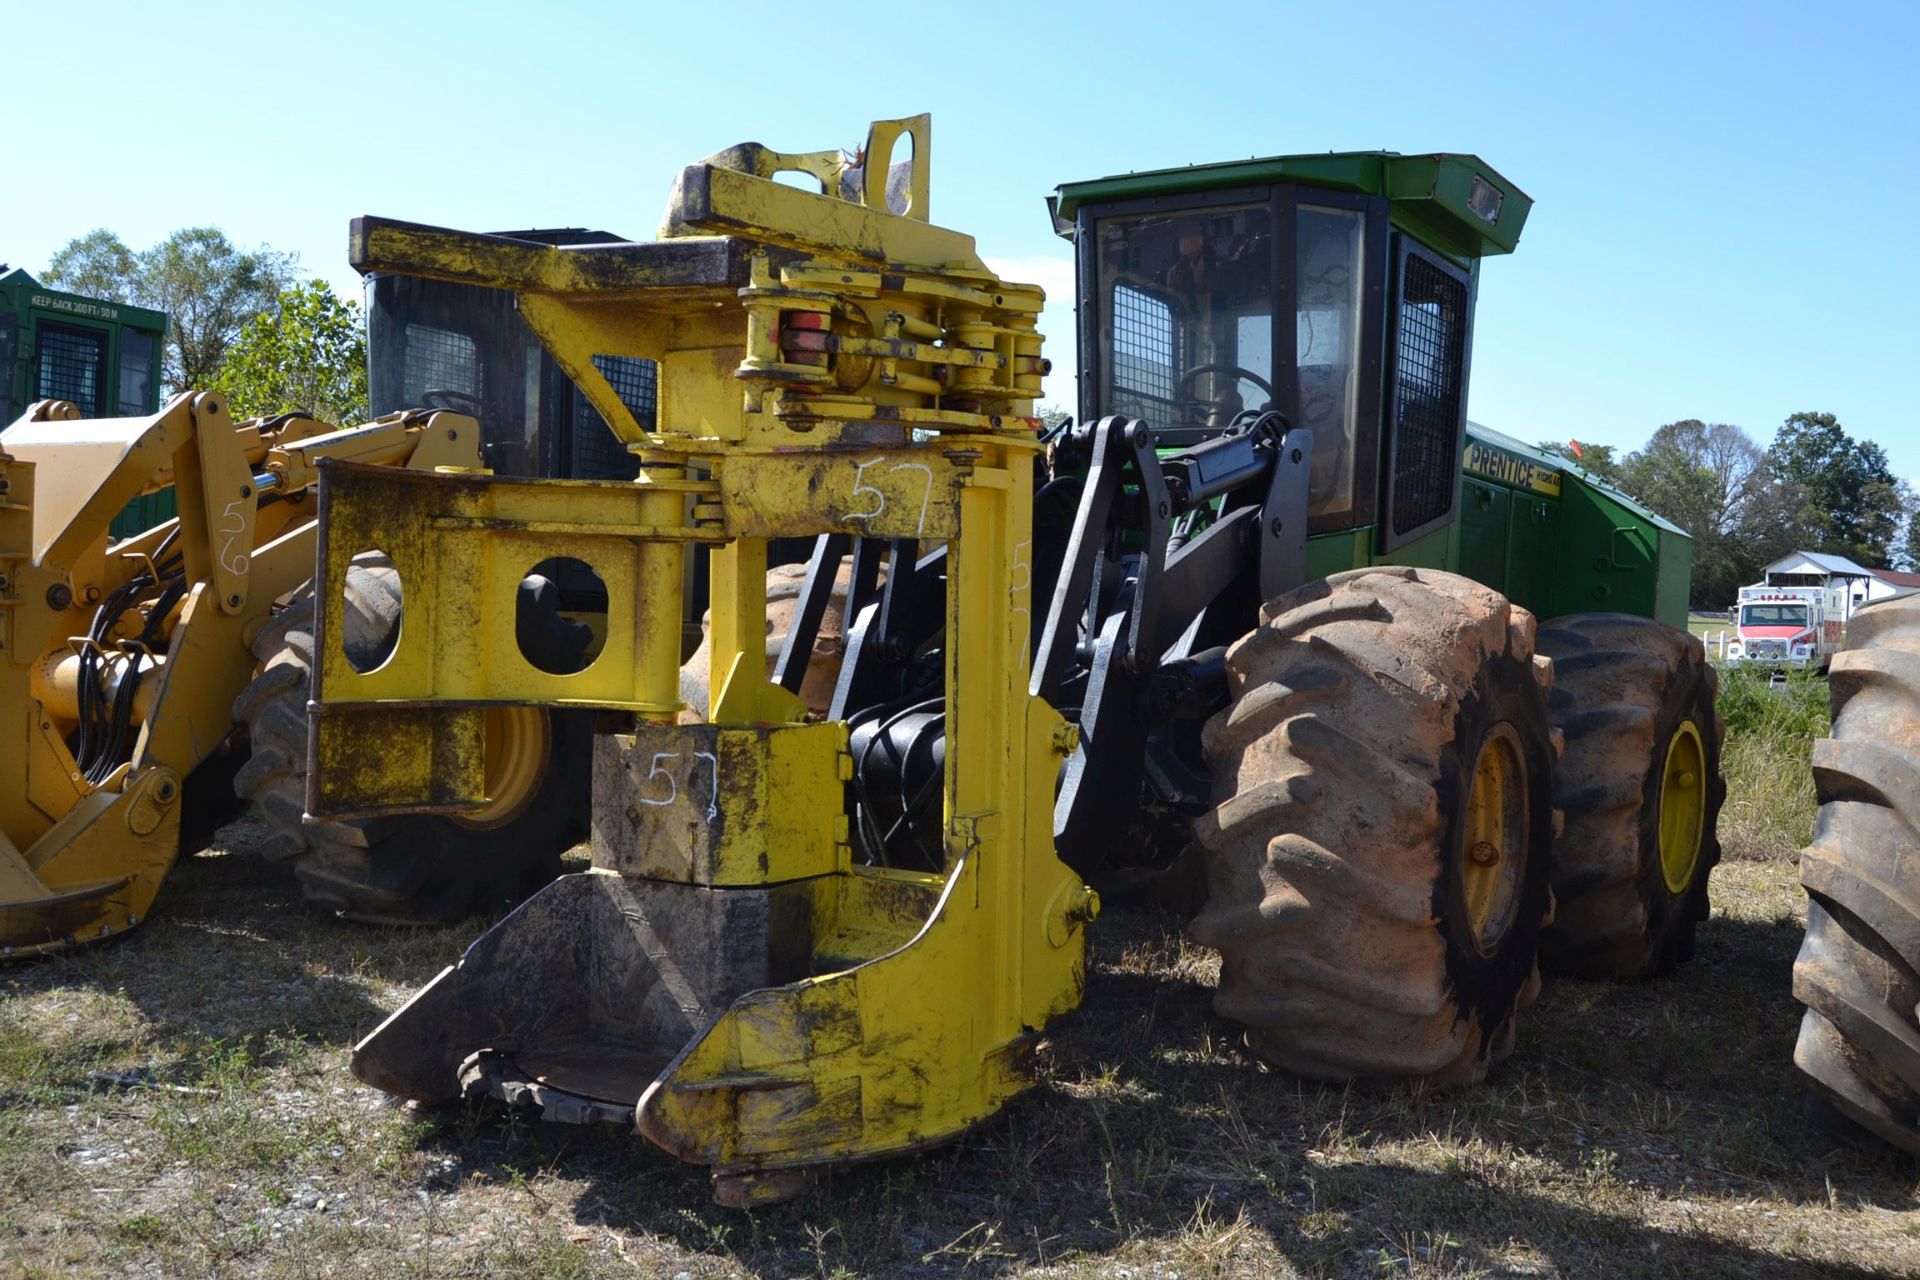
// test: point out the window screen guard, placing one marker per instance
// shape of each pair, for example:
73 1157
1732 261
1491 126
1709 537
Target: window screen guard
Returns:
1143 347
72 366
596 453
440 360
1431 316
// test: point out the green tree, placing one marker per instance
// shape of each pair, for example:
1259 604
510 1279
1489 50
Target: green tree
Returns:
1712 480
308 355
1852 505
98 264
1769 528
208 287
1596 460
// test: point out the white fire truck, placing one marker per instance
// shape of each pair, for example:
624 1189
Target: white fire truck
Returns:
1790 626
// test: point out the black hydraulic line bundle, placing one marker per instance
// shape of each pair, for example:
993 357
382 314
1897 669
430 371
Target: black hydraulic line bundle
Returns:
104 739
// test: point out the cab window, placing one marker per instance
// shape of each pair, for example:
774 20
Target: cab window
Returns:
136 373
1773 615
1330 251
1189 336
1187 331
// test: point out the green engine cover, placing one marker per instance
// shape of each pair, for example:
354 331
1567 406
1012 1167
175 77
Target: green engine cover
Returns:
1557 541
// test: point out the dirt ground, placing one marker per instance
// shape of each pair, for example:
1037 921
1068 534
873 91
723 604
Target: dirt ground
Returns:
178 1104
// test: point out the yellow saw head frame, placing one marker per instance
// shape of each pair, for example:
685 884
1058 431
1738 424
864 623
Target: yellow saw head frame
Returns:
728 975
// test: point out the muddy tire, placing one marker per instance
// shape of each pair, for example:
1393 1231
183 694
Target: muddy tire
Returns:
785 582
412 870
1641 789
1341 877
1858 971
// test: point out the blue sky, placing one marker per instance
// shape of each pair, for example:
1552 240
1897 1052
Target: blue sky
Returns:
1726 194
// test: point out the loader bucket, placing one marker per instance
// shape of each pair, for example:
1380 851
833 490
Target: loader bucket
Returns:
120 660
34 919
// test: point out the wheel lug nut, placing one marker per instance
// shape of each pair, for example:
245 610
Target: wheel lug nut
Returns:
1484 854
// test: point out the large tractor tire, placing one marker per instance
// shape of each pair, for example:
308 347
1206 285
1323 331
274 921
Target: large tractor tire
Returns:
1641 789
1377 857
416 869
1858 971
785 582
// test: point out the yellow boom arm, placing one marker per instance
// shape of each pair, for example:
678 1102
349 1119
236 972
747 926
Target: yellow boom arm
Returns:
90 819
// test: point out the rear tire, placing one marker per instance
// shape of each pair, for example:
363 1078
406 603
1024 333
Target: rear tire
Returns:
1635 701
1339 870
1858 971
420 869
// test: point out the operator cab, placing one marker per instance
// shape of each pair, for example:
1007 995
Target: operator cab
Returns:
1336 289
439 345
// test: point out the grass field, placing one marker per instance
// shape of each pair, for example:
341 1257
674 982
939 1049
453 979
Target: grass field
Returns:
1702 624
178 1104
1708 626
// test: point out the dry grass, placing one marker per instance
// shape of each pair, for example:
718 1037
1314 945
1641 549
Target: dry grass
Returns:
178 1105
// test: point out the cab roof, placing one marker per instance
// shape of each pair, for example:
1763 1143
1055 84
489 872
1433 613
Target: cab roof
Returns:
27 291
1454 202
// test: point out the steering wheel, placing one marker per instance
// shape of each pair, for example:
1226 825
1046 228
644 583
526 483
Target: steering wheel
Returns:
1192 407
452 401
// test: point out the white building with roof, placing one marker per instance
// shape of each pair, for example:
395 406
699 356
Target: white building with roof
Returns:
1819 569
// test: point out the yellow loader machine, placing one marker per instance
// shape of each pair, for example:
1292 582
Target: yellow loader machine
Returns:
149 677
1220 620
120 660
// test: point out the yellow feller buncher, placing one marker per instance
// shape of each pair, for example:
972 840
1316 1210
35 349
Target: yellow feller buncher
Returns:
120 661
1270 606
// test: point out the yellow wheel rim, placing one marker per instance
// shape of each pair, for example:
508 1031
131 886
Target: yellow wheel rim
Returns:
1493 856
518 743
1683 806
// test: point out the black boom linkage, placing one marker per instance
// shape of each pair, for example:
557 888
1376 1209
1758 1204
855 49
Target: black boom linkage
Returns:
1155 583
1166 561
